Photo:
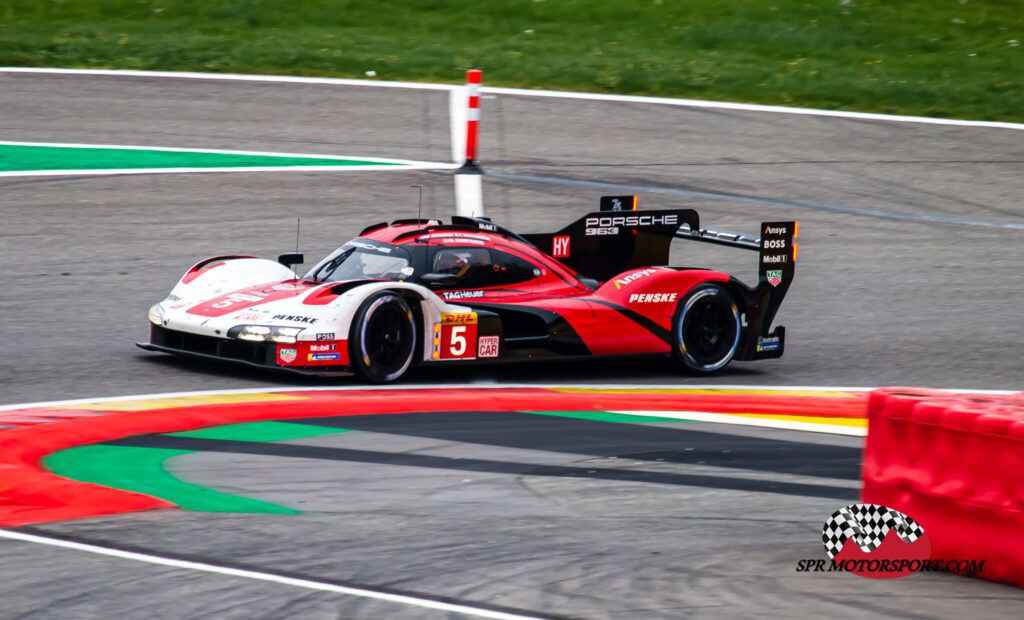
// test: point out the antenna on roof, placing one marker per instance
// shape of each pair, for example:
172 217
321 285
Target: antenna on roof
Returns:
419 208
298 225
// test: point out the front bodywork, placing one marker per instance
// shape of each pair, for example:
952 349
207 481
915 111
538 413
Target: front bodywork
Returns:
304 325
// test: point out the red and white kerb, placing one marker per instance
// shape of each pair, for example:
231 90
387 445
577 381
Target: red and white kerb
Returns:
473 78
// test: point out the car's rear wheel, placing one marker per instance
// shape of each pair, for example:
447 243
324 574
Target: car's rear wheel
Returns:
382 339
706 330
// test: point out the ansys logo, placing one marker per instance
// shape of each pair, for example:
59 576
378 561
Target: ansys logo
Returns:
875 541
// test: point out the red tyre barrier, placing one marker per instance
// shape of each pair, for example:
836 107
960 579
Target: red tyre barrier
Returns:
955 464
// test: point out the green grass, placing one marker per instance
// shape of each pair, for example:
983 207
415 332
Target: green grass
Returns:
950 58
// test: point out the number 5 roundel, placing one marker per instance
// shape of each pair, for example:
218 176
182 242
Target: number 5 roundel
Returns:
455 336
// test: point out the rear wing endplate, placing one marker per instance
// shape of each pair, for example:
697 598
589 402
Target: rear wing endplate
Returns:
776 247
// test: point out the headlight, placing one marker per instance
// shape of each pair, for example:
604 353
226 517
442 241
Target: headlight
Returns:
156 314
265 333
253 332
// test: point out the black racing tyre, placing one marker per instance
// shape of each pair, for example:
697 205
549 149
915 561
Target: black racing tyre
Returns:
705 330
382 339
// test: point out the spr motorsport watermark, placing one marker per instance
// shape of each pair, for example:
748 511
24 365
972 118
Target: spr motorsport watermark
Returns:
881 543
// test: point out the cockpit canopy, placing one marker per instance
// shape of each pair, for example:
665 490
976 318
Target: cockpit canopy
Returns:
359 260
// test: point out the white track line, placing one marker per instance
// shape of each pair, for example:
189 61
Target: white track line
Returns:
519 92
267 577
751 107
741 420
380 163
234 77
170 149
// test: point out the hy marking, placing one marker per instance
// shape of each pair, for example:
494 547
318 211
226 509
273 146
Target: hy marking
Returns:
377 163
402 599
519 92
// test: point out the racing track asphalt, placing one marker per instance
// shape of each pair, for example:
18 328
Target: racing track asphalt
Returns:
876 301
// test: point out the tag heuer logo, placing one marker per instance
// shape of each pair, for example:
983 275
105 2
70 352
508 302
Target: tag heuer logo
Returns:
775 277
288 355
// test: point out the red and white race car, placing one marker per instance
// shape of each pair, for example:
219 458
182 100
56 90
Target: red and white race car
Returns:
422 292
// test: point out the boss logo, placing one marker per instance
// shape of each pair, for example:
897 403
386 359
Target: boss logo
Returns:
774 244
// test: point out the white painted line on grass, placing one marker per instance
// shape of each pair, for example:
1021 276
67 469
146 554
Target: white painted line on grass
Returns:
520 92
379 163
171 149
119 171
741 420
308 584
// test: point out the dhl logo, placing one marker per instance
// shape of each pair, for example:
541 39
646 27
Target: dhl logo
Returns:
458 318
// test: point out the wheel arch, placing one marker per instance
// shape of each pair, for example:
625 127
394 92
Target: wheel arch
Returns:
683 357
370 365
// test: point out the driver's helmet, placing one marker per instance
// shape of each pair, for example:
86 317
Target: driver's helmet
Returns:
454 261
364 263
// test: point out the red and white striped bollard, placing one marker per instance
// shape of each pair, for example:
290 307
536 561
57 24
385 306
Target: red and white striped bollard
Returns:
469 200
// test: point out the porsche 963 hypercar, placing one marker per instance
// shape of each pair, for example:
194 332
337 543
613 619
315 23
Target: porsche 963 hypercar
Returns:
419 291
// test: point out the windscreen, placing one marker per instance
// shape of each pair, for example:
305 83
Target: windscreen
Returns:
364 262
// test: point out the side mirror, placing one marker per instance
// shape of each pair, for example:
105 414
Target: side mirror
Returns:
435 280
291 259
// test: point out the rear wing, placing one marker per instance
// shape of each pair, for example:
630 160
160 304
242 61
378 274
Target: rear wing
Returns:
603 244
617 238
776 248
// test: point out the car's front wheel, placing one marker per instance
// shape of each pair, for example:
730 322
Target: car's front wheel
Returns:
382 339
706 329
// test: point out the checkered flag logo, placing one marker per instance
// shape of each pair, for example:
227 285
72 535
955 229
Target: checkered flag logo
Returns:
866 525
